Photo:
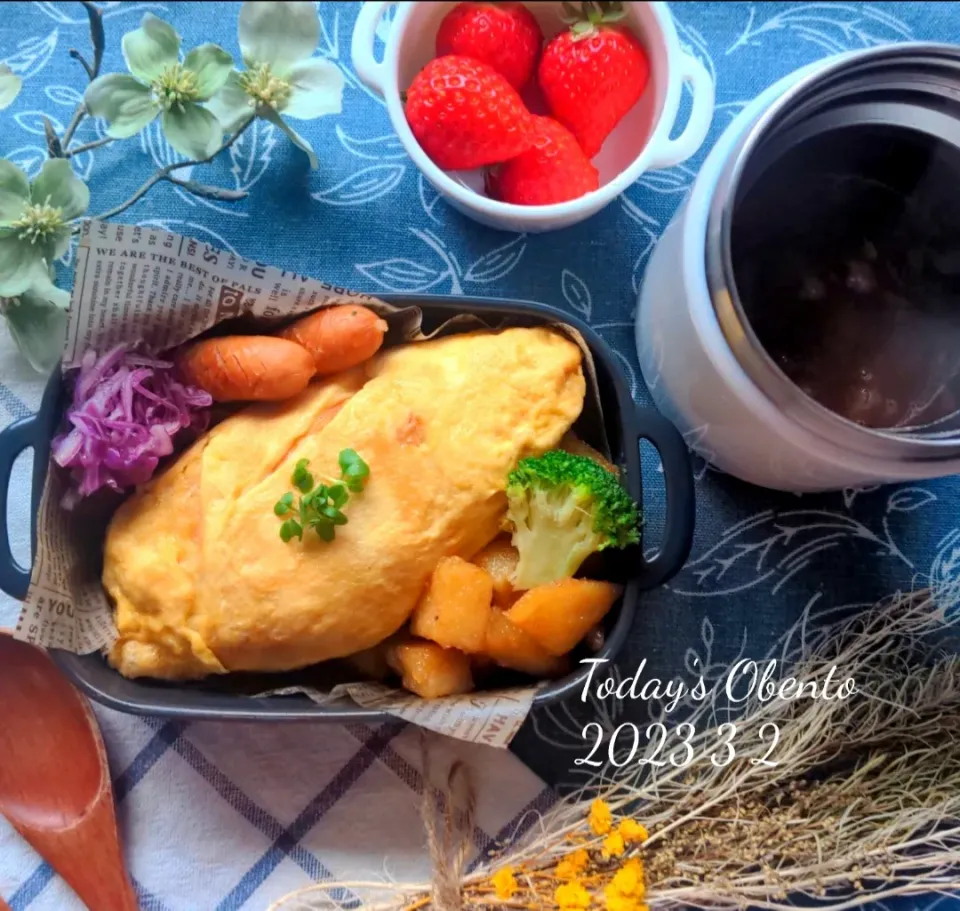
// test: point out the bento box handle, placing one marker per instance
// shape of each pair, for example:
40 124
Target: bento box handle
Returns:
14 439
677 540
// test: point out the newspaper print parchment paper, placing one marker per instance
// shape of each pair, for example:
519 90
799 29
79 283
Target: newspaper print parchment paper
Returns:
137 284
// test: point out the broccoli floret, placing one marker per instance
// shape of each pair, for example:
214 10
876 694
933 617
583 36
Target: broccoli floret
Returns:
563 508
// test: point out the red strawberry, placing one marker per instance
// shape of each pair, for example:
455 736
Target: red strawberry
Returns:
554 170
503 35
593 74
465 114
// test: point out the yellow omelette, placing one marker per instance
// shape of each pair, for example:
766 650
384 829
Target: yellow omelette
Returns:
194 563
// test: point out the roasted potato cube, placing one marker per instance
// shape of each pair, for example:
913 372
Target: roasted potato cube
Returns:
511 647
499 560
454 609
372 662
575 446
558 615
429 670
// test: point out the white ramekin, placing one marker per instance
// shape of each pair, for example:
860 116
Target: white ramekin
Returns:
641 142
697 381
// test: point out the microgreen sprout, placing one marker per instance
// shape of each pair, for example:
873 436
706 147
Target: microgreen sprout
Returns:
320 507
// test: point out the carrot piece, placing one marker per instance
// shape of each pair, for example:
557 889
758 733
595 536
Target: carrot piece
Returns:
559 614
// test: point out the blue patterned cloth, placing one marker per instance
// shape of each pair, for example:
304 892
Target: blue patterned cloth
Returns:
233 816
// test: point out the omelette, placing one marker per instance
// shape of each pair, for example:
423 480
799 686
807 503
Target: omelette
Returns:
203 584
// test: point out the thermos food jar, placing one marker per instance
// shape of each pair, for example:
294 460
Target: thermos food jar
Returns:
800 317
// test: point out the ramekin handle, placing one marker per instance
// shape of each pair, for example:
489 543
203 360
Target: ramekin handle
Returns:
370 72
675 151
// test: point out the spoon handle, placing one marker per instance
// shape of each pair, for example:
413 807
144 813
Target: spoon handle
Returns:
4 906
57 793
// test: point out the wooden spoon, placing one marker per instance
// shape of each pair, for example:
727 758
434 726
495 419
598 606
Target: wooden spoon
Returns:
4 906
54 782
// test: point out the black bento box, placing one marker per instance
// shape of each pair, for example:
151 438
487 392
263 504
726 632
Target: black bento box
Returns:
229 697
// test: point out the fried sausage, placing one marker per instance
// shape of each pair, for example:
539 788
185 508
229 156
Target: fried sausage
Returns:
338 337
238 368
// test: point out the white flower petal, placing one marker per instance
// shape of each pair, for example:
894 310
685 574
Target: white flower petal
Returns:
14 191
150 48
61 241
39 329
231 105
301 143
317 89
10 84
49 292
21 265
278 33
57 185
212 65
124 103
192 130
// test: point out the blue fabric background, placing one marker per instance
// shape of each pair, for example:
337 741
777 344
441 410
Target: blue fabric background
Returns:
366 219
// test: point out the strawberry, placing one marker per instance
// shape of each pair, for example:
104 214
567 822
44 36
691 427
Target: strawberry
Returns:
554 170
593 74
466 115
505 36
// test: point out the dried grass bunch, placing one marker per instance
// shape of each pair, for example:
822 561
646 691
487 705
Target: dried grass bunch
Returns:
863 803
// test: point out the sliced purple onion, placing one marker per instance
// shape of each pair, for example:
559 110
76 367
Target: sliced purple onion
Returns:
127 408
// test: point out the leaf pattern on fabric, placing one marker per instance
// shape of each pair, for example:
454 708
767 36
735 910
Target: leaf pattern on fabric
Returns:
368 219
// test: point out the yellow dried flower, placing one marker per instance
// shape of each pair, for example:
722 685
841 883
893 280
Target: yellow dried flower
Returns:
600 818
615 901
572 865
627 888
628 880
612 846
632 831
571 896
505 883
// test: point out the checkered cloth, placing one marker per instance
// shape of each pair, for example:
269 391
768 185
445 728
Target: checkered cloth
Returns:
229 816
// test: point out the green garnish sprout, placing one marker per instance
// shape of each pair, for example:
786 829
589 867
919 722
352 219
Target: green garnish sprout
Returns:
563 508
320 507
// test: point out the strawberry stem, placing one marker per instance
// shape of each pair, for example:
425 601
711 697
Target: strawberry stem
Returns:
592 15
